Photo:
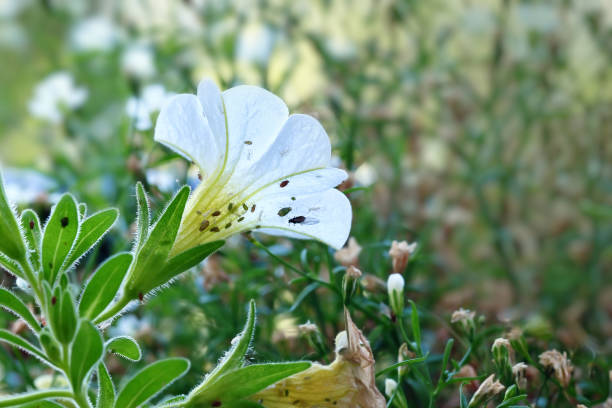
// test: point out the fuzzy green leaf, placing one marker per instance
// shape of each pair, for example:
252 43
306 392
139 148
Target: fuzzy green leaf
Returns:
92 230
10 301
106 389
103 285
11 266
144 217
68 318
189 258
146 274
30 225
243 382
11 242
125 346
17 341
151 380
59 236
85 354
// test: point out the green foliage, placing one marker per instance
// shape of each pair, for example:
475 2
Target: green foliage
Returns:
124 346
11 244
150 381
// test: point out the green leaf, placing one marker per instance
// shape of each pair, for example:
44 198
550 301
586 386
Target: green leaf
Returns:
402 363
85 354
144 218
106 389
60 232
50 345
462 398
189 258
146 274
11 242
243 382
103 285
11 302
30 225
151 380
234 358
68 318
17 341
92 230
125 346
82 210
416 326
11 266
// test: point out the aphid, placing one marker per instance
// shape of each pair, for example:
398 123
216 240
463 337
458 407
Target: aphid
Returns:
140 296
244 207
53 300
31 224
230 206
199 176
284 183
214 229
253 208
216 213
297 220
284 211
229 224
64 222
240 219
248 142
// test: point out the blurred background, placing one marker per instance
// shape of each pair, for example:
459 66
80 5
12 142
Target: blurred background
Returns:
480 129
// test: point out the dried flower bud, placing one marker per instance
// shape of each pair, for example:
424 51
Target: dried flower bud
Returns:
400 253
487 390
518 372
307 328
349 255
395 289
560 364
502 357
404 354
464 317
390 387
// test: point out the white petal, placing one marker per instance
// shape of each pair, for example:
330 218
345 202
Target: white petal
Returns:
303 183
254 118
327 217
182 127
301 146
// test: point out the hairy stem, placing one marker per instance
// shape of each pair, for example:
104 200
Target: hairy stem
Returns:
35 396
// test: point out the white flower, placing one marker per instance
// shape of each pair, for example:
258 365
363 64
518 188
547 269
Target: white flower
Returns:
262 168
255 43
138 61
395 282
151 100
56 94
95 33
390 387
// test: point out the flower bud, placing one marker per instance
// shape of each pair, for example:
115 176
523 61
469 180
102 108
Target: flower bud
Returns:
560 364
349 283
465 318
518 372
395 289
487 390
390 387
502 357
404 354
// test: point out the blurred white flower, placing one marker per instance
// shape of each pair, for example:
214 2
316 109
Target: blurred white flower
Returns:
130 325
365 175
95 33
262 169
255 43
11 8
26 186
390 387
55 95
151 100
138 61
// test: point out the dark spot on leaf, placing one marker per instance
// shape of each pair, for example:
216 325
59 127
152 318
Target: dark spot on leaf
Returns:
284 211
64 222
53 300
140 296
31 224
284 183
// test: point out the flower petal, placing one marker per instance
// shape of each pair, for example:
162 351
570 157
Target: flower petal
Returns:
182 127
302 145
253 115
322 216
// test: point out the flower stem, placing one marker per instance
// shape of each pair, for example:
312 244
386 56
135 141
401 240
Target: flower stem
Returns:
114 310
35 396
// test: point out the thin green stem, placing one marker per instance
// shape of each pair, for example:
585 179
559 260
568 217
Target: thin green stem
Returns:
35 396
114 310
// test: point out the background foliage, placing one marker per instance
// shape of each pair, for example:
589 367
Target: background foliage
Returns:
480 129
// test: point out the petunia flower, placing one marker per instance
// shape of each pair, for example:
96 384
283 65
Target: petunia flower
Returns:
261 168
349 381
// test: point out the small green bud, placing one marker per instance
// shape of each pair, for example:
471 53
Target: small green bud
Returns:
349 283
50 345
